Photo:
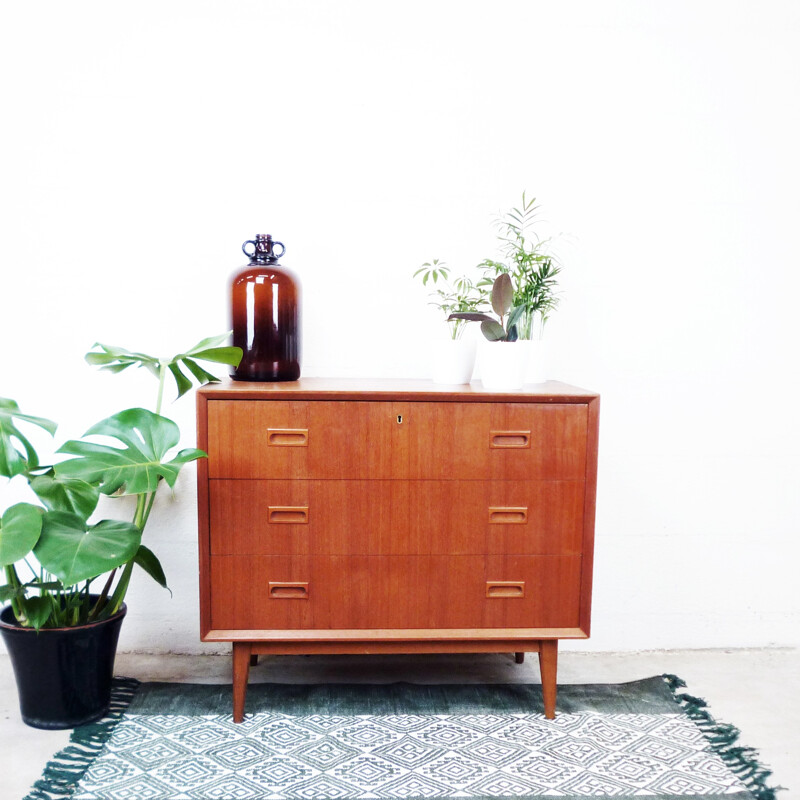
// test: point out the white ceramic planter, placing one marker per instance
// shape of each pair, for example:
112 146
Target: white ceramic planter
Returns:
452 360
503 365
537 367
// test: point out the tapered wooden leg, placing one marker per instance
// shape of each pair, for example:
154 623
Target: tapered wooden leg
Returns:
254 660
241 673
519 657
548 666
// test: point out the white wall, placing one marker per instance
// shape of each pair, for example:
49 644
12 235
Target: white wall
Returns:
143 142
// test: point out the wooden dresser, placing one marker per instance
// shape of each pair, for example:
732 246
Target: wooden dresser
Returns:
344 516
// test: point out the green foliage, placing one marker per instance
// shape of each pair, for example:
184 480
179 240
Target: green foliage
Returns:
526 293
458 296
146 559
529 263
20 529
14 461
135 468
495 330
74 551
55 542
59 493
117 359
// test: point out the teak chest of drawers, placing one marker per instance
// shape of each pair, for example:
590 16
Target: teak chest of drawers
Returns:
395 517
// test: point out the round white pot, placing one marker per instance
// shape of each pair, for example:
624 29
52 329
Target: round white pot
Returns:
504 365
537 367
452 360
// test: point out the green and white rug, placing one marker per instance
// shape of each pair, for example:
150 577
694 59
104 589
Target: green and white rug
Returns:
178 742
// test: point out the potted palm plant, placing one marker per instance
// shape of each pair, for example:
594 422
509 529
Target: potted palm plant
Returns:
523 295
61 628
453 358
533 267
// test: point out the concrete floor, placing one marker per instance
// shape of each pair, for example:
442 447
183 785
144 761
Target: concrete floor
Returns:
757 690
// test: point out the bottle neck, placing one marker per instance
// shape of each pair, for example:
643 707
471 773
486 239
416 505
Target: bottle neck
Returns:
264 251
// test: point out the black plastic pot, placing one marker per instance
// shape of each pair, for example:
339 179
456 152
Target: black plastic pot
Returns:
63 674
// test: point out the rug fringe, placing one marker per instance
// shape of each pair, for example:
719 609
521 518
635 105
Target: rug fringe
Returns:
67 767
722 737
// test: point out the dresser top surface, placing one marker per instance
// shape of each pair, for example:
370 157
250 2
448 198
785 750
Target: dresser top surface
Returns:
397 389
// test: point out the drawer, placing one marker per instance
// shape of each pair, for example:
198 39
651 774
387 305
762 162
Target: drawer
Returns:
429 592
395 517
388 440
277 439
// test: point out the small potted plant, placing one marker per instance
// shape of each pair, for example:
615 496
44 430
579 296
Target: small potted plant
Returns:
61 632
504 368
533 268
453 358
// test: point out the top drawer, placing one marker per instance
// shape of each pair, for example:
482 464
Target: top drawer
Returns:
404 440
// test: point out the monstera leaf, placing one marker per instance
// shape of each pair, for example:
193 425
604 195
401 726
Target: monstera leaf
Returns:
14 461
65 494
20 528
74 551
116 359
137 466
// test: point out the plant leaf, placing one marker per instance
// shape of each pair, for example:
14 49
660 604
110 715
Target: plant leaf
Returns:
74 552
59 493
471 316
202 375
20 529
9 592
493 330
183 383
138 465
110 354
502 294
117 359
14 461
515 314
220 355
38 611
205 344
148 561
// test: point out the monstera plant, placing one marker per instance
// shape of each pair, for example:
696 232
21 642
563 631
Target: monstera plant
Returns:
62 568
69 552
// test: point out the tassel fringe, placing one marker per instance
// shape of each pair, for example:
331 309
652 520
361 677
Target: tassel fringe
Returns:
62 773
742 761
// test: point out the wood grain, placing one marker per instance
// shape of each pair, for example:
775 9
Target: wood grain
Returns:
203 524
395 592
350 516
590 501
392 389
365 440
395 517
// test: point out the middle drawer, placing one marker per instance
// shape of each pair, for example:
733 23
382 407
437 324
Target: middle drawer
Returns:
385 517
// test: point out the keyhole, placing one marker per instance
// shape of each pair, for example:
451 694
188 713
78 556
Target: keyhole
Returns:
399 419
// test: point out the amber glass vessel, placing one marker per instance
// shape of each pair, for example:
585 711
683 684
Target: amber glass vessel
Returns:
265 306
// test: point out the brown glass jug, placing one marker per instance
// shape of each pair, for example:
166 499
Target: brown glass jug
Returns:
265 308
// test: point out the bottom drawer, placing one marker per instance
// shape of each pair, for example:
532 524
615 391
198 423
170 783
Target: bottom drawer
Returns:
330 592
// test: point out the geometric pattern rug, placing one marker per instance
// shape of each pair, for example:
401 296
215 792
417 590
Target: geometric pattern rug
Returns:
361 742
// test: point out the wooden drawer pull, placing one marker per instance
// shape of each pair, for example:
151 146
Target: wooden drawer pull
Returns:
510 439
502 515
287 437
288 591
288 515
505 589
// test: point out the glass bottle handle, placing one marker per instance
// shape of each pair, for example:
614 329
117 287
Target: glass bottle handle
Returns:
255 248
